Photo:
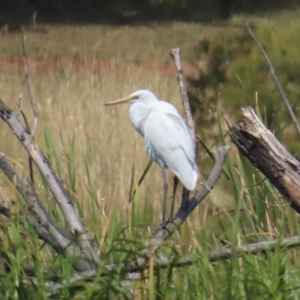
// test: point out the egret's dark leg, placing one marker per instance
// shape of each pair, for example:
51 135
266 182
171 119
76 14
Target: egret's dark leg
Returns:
165 195
173 197
185 199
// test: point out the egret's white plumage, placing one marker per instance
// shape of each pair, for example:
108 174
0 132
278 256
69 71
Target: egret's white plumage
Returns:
167 138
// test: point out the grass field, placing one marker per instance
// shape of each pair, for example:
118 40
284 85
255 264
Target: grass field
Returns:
73 72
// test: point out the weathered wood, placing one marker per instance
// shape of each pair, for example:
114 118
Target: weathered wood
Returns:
265 152
55 186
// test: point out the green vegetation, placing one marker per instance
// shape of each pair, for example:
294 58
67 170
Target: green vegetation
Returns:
74 70
233 72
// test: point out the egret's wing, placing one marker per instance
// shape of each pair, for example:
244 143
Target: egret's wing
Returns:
168 141
177 127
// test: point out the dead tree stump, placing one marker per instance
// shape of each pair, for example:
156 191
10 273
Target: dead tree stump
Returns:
264 151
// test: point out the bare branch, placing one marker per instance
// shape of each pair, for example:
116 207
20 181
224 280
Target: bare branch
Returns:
274 75
175 54
42 232
162 261
26 70
54 183
40 220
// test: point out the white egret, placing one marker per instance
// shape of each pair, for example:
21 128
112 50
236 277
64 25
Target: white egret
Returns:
167 138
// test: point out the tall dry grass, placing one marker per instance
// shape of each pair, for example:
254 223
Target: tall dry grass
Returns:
73 72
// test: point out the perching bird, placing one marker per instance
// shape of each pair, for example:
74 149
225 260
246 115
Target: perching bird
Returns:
167 138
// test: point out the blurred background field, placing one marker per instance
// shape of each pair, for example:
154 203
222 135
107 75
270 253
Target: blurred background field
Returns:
75 69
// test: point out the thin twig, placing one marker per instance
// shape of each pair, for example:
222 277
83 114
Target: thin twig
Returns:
20 104
175 54
274 75
26 70
35 113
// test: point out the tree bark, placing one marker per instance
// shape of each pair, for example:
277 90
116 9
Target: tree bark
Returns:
265 152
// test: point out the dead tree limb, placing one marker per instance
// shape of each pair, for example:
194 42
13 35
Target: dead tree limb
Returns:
162 261
42 232
275 77
265 152
55 185
40 220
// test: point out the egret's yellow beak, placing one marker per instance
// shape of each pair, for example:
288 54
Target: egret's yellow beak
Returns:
120 101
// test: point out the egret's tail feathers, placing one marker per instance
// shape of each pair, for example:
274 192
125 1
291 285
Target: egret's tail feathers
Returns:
185 169
189 177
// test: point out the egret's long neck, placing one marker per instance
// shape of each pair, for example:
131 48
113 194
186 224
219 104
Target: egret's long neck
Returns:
138 114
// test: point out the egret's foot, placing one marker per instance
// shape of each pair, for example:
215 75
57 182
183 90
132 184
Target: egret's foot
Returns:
162 226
